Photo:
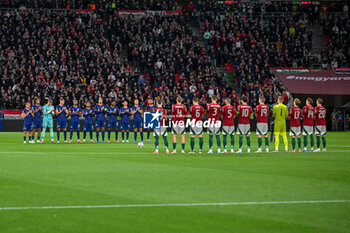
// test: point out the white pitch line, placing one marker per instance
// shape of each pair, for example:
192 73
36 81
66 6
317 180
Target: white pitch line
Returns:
75 152
340 146
172 205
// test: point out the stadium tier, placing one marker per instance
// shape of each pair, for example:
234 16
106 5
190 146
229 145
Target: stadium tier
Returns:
120 54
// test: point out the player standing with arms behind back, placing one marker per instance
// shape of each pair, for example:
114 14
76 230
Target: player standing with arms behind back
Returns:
244 111
280 112
320 120
88 115
196 112
178 112
37 110
28 124
113 112
214 110
74 112
61 111
162 130
228 125
295 126
308 123
262 115
49 112
100 111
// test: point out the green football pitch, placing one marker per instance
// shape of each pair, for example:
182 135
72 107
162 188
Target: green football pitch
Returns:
122 188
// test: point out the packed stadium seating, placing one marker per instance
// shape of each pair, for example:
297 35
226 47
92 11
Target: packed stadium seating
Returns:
337 41
63 53
252 47
83 59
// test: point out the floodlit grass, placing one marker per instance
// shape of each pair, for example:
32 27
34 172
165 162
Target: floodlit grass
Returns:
122 174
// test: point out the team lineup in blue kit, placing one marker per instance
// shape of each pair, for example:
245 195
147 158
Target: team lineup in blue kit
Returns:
37 119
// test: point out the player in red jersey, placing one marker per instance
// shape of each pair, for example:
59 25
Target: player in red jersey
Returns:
320 120
308 124
244 112
228 125
178 112
196 112
214 110
162 130
262 128
308 114
295 126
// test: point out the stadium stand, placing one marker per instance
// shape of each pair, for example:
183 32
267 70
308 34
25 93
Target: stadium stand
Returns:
80 60
83 55
60 54
336 30
100 5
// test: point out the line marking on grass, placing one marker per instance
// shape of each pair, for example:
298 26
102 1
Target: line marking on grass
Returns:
172 205
76 152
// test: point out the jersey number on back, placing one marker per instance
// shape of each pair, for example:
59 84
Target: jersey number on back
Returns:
215 111
263 112
322 114
310 114
198 113
245 112
229 112
296 115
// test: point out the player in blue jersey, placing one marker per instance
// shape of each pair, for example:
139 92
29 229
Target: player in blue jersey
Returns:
88 115
137 112
150 108
113 112
48 112
61 113
28 124
125 113
75 113
100 111
37 110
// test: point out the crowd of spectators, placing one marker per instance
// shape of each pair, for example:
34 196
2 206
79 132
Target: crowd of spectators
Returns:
98 4
84 56
66 55
246 7
336 29
173 61
253 45
72 55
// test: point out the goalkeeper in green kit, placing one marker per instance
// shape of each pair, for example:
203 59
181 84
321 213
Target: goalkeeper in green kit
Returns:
49 112
280 113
